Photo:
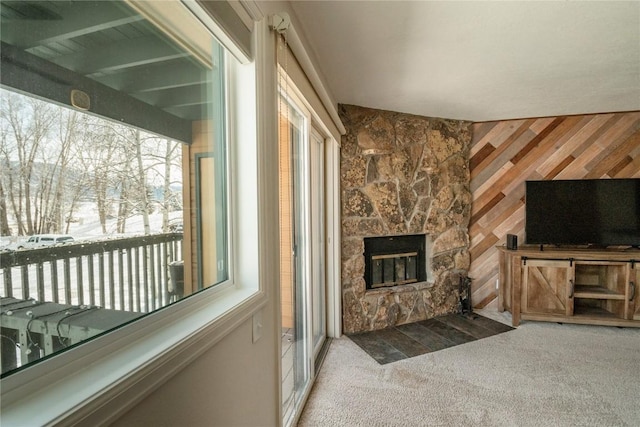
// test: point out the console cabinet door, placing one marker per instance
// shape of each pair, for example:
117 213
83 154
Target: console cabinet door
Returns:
547 287
634 292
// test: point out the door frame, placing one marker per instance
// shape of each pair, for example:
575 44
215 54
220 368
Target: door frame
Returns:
332 208
332 228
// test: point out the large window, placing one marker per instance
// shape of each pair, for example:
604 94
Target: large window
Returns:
114 191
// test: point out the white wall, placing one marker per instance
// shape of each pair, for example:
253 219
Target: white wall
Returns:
235 383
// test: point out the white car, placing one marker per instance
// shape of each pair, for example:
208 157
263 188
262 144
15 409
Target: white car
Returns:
39 240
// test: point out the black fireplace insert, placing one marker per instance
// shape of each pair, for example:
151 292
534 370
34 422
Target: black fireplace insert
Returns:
394 260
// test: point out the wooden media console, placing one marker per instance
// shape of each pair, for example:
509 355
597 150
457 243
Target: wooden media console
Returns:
597 287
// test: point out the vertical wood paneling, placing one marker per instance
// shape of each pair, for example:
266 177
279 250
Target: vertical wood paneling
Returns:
507 153
202 143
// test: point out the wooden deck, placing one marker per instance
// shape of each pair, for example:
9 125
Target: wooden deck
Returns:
31 329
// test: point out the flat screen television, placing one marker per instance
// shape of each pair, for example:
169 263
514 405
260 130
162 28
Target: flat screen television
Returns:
596 212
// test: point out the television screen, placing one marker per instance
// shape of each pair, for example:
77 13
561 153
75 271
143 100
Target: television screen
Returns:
602 212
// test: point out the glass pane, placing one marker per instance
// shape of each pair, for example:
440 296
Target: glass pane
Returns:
376 275
115 186
294 232
388 270
400 270
301 247
412 272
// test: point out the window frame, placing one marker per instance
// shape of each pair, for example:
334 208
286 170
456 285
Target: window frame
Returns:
130 362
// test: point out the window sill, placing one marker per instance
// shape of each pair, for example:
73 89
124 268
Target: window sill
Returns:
98 381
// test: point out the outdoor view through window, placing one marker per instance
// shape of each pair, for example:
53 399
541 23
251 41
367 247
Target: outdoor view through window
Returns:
112 170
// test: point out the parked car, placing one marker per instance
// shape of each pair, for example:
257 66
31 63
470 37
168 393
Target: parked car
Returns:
176 226
40 240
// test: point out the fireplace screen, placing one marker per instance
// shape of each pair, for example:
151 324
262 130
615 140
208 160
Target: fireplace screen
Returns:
396 260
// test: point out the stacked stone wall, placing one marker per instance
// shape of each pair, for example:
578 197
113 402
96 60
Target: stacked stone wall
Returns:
403 174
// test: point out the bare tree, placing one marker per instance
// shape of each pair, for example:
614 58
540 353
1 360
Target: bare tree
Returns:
125 205
52 157
171 149
53 186
142 176
5 230
164 157
149 166
27 123
131 179
77 181
99 159
73 179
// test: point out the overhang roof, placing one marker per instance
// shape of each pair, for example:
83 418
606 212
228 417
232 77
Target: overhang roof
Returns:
130 70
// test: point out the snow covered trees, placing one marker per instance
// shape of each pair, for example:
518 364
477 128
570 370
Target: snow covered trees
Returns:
52 158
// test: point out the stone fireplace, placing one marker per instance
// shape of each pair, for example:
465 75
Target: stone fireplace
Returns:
403 177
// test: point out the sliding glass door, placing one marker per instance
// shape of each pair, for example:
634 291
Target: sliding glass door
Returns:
302 252
293 260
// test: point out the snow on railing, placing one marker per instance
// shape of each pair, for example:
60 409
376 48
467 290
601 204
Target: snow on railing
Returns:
129 274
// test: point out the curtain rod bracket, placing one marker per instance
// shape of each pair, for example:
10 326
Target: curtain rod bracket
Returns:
280 22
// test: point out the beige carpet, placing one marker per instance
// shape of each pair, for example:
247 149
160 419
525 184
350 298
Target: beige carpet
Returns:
541 374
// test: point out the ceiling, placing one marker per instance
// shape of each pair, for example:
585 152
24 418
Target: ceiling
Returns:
477 60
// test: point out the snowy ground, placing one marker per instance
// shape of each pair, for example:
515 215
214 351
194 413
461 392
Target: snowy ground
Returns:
88 226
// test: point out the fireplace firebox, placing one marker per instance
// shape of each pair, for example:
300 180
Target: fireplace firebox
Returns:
394 260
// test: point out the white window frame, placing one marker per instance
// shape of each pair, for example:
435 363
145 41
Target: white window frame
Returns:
128 363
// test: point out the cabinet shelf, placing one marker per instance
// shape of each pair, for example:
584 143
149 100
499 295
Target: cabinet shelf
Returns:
593 312
596 292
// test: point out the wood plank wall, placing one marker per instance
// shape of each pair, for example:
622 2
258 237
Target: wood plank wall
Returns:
504 154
